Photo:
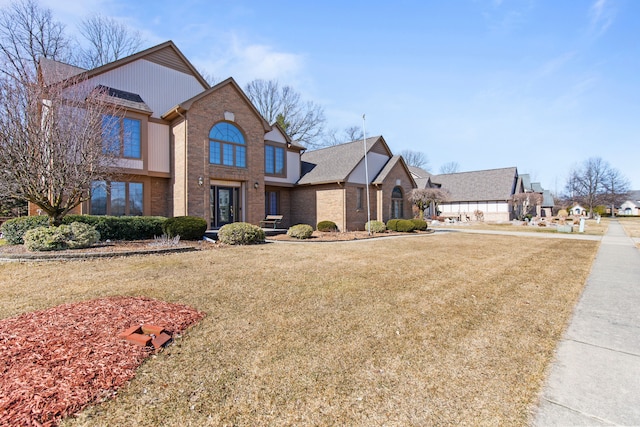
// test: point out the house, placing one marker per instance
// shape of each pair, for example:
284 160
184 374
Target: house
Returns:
188 148
578 210
489 191
632 205
334 183
545 207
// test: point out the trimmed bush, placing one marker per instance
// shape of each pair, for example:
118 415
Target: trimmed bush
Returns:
14 229
121 227
47 238
240 233
300 231
405 226
74 236
419 224
187 227
82 235
392 224
326 226
375 227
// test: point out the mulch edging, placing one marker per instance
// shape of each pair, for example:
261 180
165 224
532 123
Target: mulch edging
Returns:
66 255
55 362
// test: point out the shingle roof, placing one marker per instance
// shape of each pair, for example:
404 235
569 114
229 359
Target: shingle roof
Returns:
335 163
125 99
547 199
634 196
485 185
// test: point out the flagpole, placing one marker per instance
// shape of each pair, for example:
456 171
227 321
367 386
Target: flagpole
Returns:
366 173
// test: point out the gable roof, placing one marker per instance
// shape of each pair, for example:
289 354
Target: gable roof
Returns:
184 106
420 176
388 167
335 163
634 196
485 185
165 54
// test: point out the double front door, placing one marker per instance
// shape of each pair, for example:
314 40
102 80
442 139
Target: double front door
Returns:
224 205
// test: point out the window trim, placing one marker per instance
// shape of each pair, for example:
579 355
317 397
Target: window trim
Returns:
229 153
276 148
108 210
119 126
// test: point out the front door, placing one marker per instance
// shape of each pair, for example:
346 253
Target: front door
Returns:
224 205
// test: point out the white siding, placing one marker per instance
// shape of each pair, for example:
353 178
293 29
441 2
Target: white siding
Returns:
130 163
158 148
161 88
375 162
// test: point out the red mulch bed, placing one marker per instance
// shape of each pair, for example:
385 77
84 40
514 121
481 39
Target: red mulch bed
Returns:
55 362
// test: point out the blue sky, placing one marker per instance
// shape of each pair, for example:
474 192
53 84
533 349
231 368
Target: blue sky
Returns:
541 85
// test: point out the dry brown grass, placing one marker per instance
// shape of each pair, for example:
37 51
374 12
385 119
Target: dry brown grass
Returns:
631 226
591 227
424 330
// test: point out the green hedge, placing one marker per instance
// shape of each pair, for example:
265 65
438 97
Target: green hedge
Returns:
121 227
14 229
326 226
401 225
419 224
187 227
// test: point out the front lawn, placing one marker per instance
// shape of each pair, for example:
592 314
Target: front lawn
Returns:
422 330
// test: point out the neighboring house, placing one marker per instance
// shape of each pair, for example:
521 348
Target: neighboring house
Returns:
545 208
632 205
578 210
489 191
333 185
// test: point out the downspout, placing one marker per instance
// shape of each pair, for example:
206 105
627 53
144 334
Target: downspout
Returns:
186 163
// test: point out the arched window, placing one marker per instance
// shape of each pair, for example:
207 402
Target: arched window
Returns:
397 203
227 146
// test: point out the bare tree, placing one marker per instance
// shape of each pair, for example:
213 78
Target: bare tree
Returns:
616 189
424 198
348 134
54 143
586 183
415 158
28 33
450 167
525 202
109 40
303 121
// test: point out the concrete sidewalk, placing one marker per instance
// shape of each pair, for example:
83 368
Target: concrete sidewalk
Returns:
595 377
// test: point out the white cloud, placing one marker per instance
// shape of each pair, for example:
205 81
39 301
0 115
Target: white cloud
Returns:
248 61
601 14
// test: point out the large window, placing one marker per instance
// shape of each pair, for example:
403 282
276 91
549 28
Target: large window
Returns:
116 198
121 136
274 160
227 146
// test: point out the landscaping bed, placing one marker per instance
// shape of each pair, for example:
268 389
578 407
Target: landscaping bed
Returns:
55 362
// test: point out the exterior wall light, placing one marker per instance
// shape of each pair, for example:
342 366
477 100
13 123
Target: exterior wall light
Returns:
256 185
200 181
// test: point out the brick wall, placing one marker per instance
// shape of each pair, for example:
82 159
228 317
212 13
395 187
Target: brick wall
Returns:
384 207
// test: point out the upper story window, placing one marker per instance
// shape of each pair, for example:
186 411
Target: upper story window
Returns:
122 136
227 146
274 160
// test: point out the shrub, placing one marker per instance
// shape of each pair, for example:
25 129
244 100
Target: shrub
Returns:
82 236
240 233
392 224
405 226
14 229
187 227
326 226
47 238
375 227
419 224
300 231
121 227
74 236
